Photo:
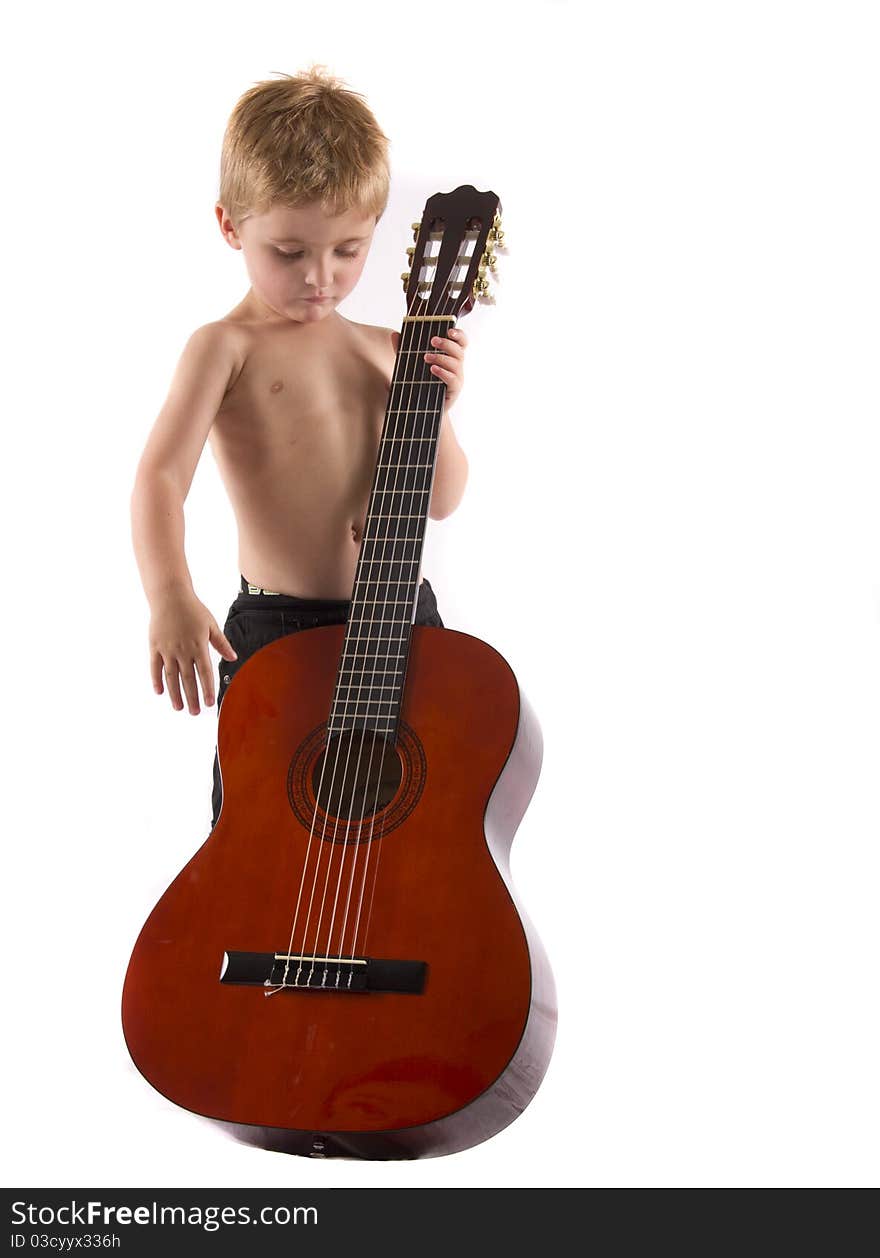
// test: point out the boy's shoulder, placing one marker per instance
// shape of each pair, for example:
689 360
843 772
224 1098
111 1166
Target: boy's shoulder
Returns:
238 329
379 335
237 340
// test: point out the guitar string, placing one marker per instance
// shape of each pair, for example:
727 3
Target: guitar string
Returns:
449 281
413 382
379 842
318 797
414 473
376 619
370 621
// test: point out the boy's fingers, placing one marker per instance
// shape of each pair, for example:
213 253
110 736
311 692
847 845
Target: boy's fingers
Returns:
156 671
206 677
452 348
221 643
171 681
191 690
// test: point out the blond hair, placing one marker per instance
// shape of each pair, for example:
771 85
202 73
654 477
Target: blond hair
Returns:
302 138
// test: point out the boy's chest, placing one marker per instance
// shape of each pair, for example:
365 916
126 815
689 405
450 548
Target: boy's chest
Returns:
314 418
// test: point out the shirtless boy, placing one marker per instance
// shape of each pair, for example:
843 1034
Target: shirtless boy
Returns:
290 394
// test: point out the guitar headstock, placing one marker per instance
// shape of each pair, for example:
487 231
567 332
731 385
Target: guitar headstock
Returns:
456 243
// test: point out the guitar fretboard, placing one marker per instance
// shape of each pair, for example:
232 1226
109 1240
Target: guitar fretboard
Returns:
372 668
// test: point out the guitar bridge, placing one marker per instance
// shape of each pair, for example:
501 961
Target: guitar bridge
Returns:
322 973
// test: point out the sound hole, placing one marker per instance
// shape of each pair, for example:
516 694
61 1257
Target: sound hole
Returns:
358 774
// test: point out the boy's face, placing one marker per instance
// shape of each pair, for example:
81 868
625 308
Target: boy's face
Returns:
296 255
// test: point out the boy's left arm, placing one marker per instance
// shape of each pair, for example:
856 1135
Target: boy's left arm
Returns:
446 360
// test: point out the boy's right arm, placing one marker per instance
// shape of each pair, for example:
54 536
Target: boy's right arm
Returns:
181 627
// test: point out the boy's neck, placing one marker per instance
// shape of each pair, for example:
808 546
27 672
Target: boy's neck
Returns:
254 307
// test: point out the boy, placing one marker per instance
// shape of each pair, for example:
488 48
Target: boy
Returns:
290 394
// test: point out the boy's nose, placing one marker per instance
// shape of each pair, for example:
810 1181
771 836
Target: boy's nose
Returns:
319 275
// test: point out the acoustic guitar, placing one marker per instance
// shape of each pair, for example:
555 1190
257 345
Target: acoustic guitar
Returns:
343 968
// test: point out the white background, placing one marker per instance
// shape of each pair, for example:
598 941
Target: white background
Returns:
670 531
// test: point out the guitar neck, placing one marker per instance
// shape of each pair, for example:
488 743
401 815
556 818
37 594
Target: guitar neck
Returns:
372 669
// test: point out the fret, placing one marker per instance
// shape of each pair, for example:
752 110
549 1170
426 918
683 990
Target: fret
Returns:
409 562
340 728
387 539
399 623
379 542
419 380
374 620
362 638
386 715
406 490
363 594
350 685
366 654
412 490
409 493
410 498
379 584
367 640
418 515
367 672
385 544
354 707
385 602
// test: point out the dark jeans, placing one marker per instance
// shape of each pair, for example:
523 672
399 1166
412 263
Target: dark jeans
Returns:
255 620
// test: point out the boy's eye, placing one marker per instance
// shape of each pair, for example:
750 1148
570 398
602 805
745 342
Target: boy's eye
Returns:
342 253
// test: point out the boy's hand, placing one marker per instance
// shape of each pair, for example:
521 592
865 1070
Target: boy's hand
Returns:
181 628
447 361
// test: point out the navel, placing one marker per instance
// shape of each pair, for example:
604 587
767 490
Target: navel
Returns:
276 386
356 533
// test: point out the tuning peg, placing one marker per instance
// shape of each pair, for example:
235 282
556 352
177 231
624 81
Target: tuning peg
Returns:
490 260
409 253
496 235
481 286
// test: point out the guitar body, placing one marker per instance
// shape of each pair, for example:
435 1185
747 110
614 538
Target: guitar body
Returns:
325 1070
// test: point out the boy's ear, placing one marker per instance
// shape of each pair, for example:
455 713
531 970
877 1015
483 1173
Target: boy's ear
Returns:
226 227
